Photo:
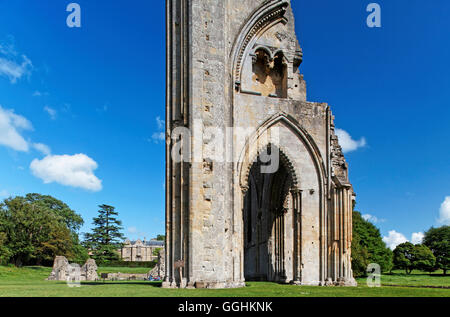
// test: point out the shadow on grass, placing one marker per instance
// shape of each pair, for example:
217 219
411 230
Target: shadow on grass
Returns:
99 283
38 268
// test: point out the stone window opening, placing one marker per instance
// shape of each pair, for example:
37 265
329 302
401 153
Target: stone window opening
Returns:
269 74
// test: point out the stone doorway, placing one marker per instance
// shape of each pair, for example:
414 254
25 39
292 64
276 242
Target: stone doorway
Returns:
268 226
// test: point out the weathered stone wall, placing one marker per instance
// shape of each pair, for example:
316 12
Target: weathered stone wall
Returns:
63 271
234 63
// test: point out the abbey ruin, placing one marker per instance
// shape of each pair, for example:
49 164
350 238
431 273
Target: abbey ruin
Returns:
237 64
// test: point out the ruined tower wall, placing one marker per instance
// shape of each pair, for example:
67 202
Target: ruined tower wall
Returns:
234 63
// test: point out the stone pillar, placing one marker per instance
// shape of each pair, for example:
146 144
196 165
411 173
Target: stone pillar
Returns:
242 251
297 213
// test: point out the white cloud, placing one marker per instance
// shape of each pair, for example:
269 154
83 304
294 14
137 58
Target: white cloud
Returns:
38 93
444 212
161 123
158 136
417 238
394 239
75 171
10 125
51 112
44 149
347 143
372 219
13 66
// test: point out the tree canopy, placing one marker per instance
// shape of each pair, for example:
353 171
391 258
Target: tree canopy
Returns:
408 256
34 229
368 246
160 237
70 218
106 237
438 240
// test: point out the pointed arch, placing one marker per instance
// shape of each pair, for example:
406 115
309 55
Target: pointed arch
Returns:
249 153
250 150
269 14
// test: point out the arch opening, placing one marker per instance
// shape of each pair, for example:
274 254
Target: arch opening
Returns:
269 225
269 74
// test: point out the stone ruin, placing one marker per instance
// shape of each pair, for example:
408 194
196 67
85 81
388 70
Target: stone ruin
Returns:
234 71
62 270
125 277
89 271
160 269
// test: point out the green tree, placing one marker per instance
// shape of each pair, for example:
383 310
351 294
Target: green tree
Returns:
67 217
424 259
106 238
438 240
161 237
404 257
368 247
5 254
156 251
32 234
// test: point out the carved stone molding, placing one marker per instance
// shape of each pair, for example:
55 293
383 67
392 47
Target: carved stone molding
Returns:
270 12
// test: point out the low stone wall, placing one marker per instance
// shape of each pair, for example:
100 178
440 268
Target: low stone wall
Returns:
126 277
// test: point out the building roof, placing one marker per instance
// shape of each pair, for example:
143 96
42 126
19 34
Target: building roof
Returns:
153 243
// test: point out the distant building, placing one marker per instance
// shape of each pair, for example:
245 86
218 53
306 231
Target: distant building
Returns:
140 251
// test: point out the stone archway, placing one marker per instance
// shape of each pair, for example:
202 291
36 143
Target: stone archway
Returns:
269 218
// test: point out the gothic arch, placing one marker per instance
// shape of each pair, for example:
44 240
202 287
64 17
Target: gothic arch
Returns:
246 161
249 153
270 13
284 160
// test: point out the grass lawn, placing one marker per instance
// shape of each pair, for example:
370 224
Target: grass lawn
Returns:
416 278
135 270
30 282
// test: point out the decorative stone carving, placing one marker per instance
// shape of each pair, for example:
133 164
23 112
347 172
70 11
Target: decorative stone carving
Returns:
268 14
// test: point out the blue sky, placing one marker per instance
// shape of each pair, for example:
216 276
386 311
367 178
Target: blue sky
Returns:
95 96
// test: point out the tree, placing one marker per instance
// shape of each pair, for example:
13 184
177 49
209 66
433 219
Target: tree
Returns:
404 257
161 237
424 259
67 217
106 238
5 254
368 247
156 251
32 234
70 218
408 256
438 240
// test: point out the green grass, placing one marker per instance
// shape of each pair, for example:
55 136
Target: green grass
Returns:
416 278
30 282
135 270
